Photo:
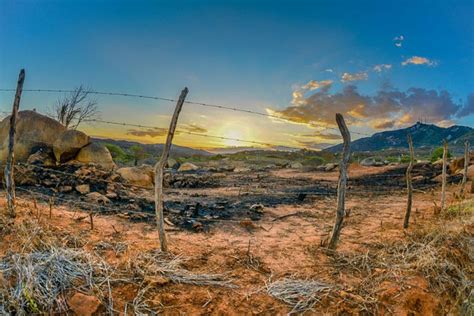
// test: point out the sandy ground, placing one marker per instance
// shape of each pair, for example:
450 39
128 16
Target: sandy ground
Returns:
276 246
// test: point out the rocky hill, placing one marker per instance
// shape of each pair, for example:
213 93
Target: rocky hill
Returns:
424 136
154 150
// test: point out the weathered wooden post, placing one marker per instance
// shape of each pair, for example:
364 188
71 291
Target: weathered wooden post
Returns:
341 186
9 181
466 165
409 183
445 165
160 165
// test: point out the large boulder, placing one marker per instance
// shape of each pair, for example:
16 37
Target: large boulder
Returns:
33 131
97 154
140 176
68 145
458 164
470 172
187 166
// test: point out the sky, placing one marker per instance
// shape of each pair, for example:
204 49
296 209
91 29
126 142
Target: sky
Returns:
382 64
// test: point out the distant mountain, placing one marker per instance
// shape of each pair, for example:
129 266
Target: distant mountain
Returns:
154 150
423 135
238 149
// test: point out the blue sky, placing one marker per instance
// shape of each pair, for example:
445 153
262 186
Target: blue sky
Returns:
249 54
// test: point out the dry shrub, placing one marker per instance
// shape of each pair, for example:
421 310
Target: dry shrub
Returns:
301 295
153 269
443 256
38 272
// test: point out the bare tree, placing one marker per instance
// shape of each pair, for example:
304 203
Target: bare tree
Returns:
75 108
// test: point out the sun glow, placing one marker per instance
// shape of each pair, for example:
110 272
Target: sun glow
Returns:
233 133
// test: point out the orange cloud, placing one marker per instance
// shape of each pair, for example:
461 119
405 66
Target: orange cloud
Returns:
417 60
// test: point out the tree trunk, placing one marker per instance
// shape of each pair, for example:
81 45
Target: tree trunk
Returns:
445 165
160 165
9 180
341 186
409 183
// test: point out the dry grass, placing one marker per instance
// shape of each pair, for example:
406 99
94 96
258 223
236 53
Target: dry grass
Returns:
40 280
154 269
301 295
39 272
443 256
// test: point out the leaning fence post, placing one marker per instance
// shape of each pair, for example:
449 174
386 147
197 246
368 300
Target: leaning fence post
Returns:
341 186
466 165
445 163
160 165
9 181
409 184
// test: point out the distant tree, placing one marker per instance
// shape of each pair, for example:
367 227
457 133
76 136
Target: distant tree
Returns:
118 154
138 153
76 107
438 154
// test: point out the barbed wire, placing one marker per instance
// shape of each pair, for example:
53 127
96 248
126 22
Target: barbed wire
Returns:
217 106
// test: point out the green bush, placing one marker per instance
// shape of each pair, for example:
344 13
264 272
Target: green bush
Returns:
314 161
118 154
438 154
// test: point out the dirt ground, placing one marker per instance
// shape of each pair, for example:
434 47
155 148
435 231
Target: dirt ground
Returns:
284 242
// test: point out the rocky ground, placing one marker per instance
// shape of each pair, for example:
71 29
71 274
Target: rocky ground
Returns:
243 241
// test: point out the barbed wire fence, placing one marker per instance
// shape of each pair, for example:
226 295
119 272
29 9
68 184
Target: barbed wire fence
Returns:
96 208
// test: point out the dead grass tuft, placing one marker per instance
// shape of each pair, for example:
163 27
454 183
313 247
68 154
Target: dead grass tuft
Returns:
444 257
301 295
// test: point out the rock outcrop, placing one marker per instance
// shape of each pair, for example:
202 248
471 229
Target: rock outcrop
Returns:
187 166
140 176
96 154
33 131
69 144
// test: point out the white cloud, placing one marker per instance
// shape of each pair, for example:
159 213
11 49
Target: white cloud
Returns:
382 67
398 40
299 91
354 77
417 60
329 70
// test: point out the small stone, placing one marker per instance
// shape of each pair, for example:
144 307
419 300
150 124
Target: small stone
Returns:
197 226
96 197
111 195
83 188
257 208
296 165
65 189
84 305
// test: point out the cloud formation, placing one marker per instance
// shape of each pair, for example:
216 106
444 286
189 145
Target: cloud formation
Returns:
160 132
322 135
398 40
354 77
382 67
149 132
417 60
387 108
298 93
193 128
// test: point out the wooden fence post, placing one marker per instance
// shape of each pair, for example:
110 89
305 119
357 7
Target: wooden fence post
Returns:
445 164
466 165
160 165
341 186
9 181
409 184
